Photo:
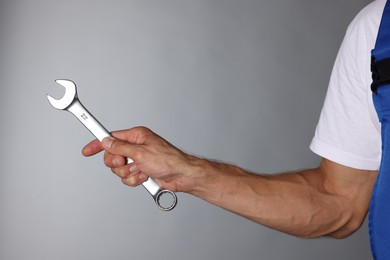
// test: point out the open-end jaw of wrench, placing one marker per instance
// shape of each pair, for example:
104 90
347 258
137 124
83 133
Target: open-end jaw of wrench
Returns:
165 199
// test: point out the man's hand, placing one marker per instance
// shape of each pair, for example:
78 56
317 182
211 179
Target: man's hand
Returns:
152 155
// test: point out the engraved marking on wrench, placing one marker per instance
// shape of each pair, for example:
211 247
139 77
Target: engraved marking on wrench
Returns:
84 116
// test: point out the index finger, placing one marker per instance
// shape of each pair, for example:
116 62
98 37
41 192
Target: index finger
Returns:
92 148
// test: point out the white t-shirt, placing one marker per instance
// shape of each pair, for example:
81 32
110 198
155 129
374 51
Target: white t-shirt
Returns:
348 131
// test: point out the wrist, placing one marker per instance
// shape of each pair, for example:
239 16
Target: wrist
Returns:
193 175
214 182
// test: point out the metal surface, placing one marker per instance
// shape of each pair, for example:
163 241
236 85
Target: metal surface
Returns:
71 103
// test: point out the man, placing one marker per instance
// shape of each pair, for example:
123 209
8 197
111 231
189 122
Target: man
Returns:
330 200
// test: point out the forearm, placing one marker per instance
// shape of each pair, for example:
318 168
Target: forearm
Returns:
296 203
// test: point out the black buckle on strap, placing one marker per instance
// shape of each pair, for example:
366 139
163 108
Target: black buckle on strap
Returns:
380 73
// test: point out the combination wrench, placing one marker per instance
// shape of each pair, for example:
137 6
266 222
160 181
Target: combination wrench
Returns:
165 199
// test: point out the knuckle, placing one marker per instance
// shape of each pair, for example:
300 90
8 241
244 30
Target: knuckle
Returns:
139 153
142 129
130 181
141 134
120 172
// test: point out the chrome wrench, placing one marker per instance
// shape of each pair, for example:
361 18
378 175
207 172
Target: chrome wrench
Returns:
165 199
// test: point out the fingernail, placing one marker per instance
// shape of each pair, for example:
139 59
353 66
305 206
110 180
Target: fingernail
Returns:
134 168
107 142
117 161
142 176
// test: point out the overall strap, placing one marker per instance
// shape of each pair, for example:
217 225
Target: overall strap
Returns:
380 62
379 213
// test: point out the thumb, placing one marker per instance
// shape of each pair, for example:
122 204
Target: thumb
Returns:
116 146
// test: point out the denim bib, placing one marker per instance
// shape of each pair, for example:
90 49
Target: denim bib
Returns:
379 213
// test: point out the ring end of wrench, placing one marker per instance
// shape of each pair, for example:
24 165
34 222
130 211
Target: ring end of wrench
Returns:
161 200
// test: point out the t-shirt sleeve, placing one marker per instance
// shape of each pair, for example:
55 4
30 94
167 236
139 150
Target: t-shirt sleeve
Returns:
346 133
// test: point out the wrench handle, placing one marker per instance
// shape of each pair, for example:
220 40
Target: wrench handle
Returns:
165 200
88 120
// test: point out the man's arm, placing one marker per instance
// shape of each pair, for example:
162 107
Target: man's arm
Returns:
331 200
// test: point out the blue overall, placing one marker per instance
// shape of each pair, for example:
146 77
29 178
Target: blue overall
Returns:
379 213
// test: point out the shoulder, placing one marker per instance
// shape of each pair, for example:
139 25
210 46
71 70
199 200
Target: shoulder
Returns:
359 40
368 18
371 11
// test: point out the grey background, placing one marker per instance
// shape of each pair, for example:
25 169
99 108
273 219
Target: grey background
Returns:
238 81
